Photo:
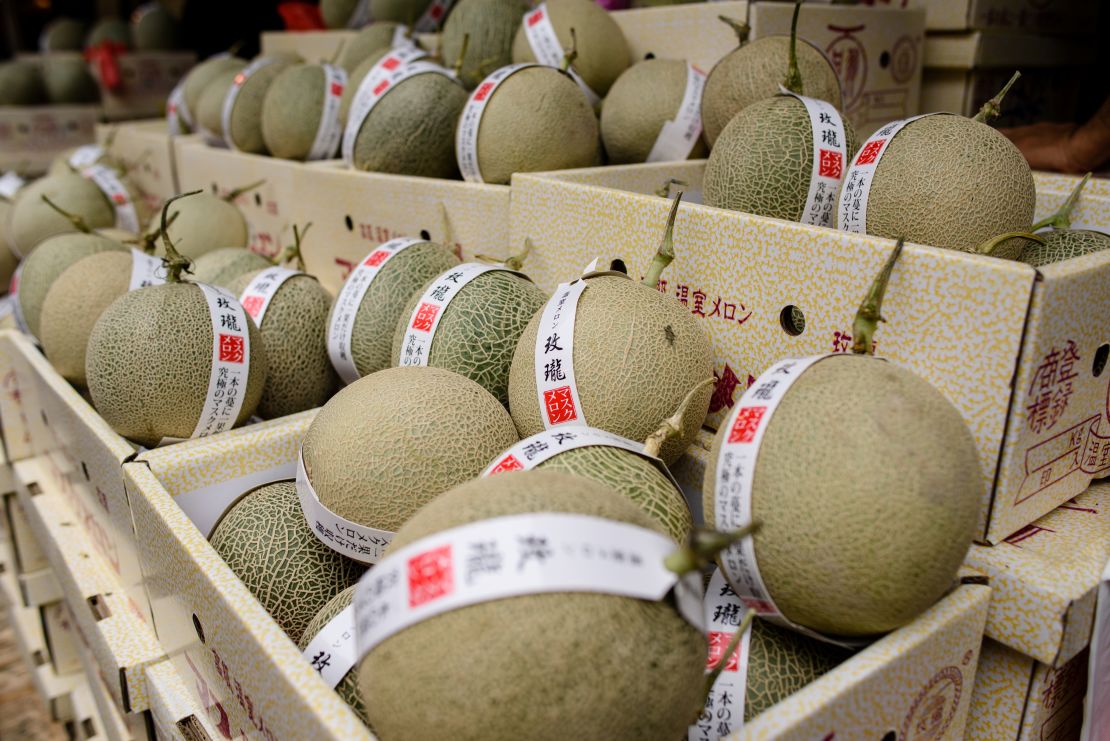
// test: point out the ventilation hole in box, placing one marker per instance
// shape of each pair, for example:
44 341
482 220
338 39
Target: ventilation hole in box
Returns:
88 728
650 55
258 199
1101 355
884 62
198 628
85 470
45 421
38 658
349 222
425 235
792 319
619 266
890 736
34 489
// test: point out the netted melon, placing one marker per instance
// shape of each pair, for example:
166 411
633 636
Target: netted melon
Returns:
221 266
109 31
355 80
205 222
536 120
645 97
384 302
411 130
1062 242
399 11
762 162
781 662
292 111
596 679
209 111
348 686
489 27
21 84
374 38
245 131
602 51
754 70
479 329
8 259
67 80
32 219
62 34
153 28
266 541
336 13
380 449
198 78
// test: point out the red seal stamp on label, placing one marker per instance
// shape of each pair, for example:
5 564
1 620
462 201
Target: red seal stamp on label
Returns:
559 405
870 152
718 644
508 463
832 165
251 304
425 317
430 576
746 424
231 349
377 257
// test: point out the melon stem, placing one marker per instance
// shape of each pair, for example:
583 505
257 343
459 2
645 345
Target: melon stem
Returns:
292 253
457 67
993 107
665 254
703 546
793 81
75 219
174 261
740 28
148 240
870 311
672 426
1062 218
571 53
733 643
992 244
664 191
230 197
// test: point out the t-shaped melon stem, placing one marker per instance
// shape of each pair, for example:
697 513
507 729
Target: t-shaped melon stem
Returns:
740 28
1062 218
870 311
292 253
672 426
992 244
512 262
704 545
793 81
665 254
458 65
571 53
78 222
993 107
147 241
174 261
664 190
733 643
231 196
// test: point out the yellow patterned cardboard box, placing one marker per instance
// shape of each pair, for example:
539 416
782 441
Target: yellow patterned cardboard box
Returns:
31 136
146 150
997 337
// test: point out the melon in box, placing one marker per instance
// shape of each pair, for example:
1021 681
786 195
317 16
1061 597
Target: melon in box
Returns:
146 149
31 137
1076 17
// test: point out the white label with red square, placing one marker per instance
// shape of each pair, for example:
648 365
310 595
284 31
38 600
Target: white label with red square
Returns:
359 542
333 652
86 156
17 309
371 90
233 95
433 16
342 325
425 319
178 118
724 705
851 214
227 381
329 130
830 150
516 555
466 135
261 290
554 358
105 178
549 50
146 270
679 135
10 184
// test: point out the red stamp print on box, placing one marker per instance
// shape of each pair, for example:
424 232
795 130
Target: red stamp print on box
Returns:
870 152
559 405
718 644
430 576
231 348
425 317
747 422
252 305
377 257
830 165
508 463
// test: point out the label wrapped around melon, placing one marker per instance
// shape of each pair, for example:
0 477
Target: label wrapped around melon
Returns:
342 325
466 135
231 354
386 73
543 446
333 652
359 542
85 156
360 16
554 358
146 270
179 120
261 290
433 16
10 184
534 553
679 135
830 150
328 132
105 178
233 95
13 296
724 706
549 50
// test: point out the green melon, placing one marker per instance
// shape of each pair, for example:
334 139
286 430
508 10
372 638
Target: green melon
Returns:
292 109
68 81
479 329
781 662
204 222
62 34
411 131
21 84
536 120
637 354
294 332
197 79
61 164
348 686
74 302
355 79
762 162
1064 244
222 266
49 260
336 13
384 302
399 11
489 27
210 107
154 28
375 39
246 114
646 96
266 541
607 667
833 547
382 447
32 220
109 30
149 360
602 49
8 259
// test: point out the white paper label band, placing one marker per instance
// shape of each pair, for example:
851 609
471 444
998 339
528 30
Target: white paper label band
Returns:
830 150
333 652
261 290
355 541
233 95
724 707
466 135
146 270
430 21
543 446
329 131
127 218
518 555
178 118
549 50
10 184
554 358
679 135
13 294
85 156
342 325
231 352
382 77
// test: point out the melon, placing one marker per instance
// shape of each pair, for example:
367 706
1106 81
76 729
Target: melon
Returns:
245 133
950 181
355 80
376 37
644 98
781 662
62 34
384 302
222 266
68 81
209 111
637 354
602 51
61 164
348 686
206 222
391 442
762 162
21 84
608 666
292 111
49 260
336 13
538 119
479 329
32 219
488 27
197 79
8 259
1062 242
411 130
753 72
399 11
109 31
266 541
154 28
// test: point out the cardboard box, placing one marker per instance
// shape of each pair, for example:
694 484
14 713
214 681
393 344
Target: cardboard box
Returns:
1096 724
28 554
146 149
313 46
32 136
1071 17
1018 697
173 712
61 638
147 78
738 273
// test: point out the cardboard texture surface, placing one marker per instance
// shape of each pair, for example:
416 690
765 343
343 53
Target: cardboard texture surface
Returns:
1071 17
111 724
31 136
1043 95
312 45
146 79
173 712
61 638
738 272
146 149
1097 719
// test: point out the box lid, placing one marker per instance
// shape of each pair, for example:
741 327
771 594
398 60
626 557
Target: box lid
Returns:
991 49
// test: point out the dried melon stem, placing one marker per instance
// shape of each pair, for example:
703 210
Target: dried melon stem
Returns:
174 261
741 28
664 190
231 196
672 426
512 262
703 546
1062 218
458 65
793 81
78 222
992 244
292 253
870 311
665 254
147 241
993 107
571 53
